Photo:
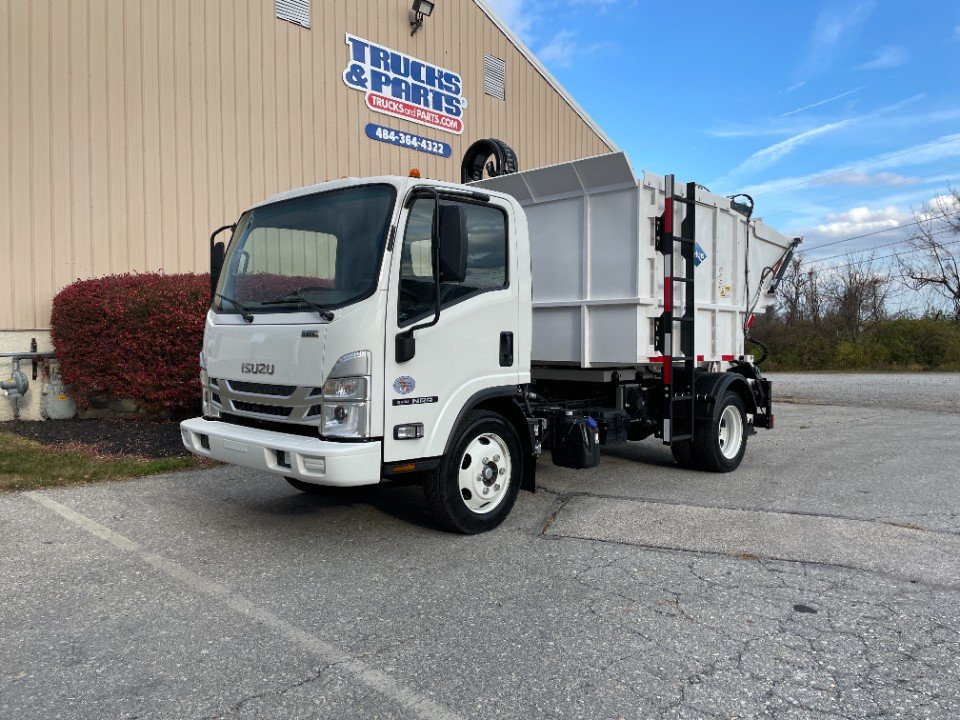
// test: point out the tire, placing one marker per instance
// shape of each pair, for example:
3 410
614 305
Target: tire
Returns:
719 446
476 485
683 454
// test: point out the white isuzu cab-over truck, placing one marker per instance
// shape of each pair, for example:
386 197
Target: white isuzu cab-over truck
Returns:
401 329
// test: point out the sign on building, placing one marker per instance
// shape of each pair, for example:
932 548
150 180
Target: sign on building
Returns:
405 87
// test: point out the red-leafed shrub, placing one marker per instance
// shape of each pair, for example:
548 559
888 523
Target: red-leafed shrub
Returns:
133 336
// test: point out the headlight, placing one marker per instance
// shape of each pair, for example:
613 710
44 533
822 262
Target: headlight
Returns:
351 388
346 395
345 419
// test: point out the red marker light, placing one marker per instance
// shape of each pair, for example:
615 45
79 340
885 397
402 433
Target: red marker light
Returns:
414 173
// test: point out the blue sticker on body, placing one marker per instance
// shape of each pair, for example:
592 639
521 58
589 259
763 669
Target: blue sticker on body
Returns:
699 255
404 385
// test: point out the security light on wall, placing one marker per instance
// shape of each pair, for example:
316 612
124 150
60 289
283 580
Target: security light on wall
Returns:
420 10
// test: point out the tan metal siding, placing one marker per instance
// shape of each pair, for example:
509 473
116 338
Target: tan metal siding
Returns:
131 128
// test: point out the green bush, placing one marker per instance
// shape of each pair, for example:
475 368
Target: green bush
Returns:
909 344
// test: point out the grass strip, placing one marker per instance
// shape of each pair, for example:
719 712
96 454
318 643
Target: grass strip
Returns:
27 464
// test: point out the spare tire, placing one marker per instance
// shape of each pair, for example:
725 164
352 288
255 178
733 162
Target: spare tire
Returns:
490 154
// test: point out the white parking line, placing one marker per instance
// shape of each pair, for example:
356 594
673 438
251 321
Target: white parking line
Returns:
412 701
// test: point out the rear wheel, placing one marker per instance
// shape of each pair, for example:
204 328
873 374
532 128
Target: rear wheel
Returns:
719 445
477 482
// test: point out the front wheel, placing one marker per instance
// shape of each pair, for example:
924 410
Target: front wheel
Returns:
720 444
476 485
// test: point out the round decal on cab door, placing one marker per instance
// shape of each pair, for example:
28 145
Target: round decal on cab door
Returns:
404 385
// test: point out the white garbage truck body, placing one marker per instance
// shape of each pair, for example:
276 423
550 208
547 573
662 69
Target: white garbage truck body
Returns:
598 279
398 329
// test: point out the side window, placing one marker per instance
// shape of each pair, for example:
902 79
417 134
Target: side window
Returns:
486 259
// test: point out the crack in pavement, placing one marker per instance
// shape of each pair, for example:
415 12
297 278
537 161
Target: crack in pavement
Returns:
903 553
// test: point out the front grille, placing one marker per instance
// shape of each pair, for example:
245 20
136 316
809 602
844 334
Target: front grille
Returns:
261 409
262 388
286 403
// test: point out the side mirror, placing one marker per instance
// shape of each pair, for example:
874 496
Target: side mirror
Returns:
406 347
217 252
453 244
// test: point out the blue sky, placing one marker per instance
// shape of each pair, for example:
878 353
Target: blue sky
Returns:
840 118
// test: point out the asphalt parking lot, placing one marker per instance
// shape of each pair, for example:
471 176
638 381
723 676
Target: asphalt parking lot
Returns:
821 579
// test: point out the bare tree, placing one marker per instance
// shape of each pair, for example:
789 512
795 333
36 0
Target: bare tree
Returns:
813 296
933 263
857 292
793 290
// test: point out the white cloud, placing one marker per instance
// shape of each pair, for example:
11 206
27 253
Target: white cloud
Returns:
769 155
857 178
796 86
565 47
859 220
940 205
774 129
941 148
891 56
823 102
839 22
599 5
875 119
519 15
561 49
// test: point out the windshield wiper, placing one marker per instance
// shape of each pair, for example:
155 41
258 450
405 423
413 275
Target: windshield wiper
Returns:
244 313
298 297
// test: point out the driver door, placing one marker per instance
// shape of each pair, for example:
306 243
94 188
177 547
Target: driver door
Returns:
471 348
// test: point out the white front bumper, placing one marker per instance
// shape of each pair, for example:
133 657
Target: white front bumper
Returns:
310 459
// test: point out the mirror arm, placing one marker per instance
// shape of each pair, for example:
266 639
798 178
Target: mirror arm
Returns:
213 235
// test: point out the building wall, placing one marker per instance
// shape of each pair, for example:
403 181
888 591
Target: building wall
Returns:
131 128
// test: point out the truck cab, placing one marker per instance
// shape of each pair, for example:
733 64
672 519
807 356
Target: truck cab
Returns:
355 323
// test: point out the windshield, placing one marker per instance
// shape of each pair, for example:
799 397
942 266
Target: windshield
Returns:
327 247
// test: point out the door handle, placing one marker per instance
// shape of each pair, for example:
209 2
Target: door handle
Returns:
506 349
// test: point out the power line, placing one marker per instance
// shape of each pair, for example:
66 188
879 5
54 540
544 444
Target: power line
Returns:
875 247
858 167
904 181
892 255
878 232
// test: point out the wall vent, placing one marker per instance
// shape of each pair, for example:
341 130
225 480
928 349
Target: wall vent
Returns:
494 77
295 11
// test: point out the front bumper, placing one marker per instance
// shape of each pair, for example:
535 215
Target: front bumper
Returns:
312 460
